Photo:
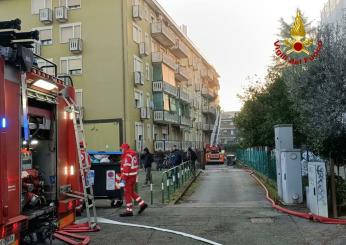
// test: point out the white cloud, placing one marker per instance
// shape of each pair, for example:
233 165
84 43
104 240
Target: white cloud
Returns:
237 36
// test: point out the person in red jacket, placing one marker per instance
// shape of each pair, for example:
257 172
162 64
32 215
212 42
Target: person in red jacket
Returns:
129 169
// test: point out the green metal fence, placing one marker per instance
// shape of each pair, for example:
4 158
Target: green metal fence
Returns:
260 160
174 178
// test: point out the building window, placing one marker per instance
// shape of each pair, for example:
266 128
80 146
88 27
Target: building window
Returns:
36 5
148 131
136 33
71 65
137 64
70 31
147 71
166 106
71 4
79 97
42 64
146 12
138 99
135 2
46 35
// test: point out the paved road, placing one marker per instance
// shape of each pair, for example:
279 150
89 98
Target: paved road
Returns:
225 205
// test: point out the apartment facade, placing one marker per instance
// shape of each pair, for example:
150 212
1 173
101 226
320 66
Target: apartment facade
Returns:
334 12
139 79
228 131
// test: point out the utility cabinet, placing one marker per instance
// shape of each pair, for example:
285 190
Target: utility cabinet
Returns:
317 195
291 177
283 140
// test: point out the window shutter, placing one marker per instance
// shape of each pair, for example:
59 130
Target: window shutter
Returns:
77 31
66 34
63 67
74 3
75 64
45 34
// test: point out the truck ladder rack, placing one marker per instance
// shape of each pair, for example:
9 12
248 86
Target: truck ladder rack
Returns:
84 166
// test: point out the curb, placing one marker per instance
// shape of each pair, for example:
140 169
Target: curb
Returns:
185 189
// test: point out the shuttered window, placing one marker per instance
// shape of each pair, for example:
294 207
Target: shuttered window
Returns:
70 31
71 65
36 5
46 35
71 4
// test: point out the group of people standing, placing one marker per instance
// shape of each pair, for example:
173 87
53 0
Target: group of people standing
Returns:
130 165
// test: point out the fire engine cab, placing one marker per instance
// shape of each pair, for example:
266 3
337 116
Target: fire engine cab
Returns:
41 181
214 154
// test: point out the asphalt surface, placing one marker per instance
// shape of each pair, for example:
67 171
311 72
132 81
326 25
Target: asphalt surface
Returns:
225 205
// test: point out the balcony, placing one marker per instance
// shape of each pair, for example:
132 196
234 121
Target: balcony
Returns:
159 58
207 127
180 50
184 96
212 110
160 86
181 74
61 14
76 45
161 33
207 93
46 16
166 117
185 121
137 12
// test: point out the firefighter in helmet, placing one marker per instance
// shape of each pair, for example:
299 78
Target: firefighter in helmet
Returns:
129 170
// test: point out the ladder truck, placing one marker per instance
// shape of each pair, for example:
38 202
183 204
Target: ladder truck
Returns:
214 153
42 174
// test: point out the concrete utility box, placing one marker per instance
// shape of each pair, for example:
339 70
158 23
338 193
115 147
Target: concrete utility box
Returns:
317 195
283 140
292 188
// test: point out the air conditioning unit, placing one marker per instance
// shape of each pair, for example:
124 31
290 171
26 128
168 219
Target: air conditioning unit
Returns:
61 14
143 49
139 77
76 45
137 12
46 15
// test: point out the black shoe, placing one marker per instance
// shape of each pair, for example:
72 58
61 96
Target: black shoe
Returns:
126 214
143 207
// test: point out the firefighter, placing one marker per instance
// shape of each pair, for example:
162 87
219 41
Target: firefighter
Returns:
129 170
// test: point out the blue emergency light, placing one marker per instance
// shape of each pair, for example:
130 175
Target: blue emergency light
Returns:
3 122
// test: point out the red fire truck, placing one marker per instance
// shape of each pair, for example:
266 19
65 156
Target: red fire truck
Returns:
214 154
39 158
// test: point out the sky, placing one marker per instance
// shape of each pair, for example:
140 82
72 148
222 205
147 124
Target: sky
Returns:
237 36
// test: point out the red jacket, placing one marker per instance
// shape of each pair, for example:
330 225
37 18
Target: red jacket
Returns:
129 163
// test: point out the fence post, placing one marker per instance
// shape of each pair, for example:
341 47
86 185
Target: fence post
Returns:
163 190
151 194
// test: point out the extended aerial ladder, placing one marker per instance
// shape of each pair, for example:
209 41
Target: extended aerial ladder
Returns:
214 140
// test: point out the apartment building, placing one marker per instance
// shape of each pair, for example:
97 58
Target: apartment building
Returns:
334 12
139 78
228 131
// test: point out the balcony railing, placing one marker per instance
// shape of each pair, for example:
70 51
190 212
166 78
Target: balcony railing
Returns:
185 121
76 45
162 34
160 86
46 15
166 117
180 49
61 14
184 96
159 58
181 74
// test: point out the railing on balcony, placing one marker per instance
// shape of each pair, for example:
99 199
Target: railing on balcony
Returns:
160 57
162 34
180 49
185 121
166 117
181 74
160 86
184 96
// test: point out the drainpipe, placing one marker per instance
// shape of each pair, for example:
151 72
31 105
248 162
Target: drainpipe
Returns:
125 65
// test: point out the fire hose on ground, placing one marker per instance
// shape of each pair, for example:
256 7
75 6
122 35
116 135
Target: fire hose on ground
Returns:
309 216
